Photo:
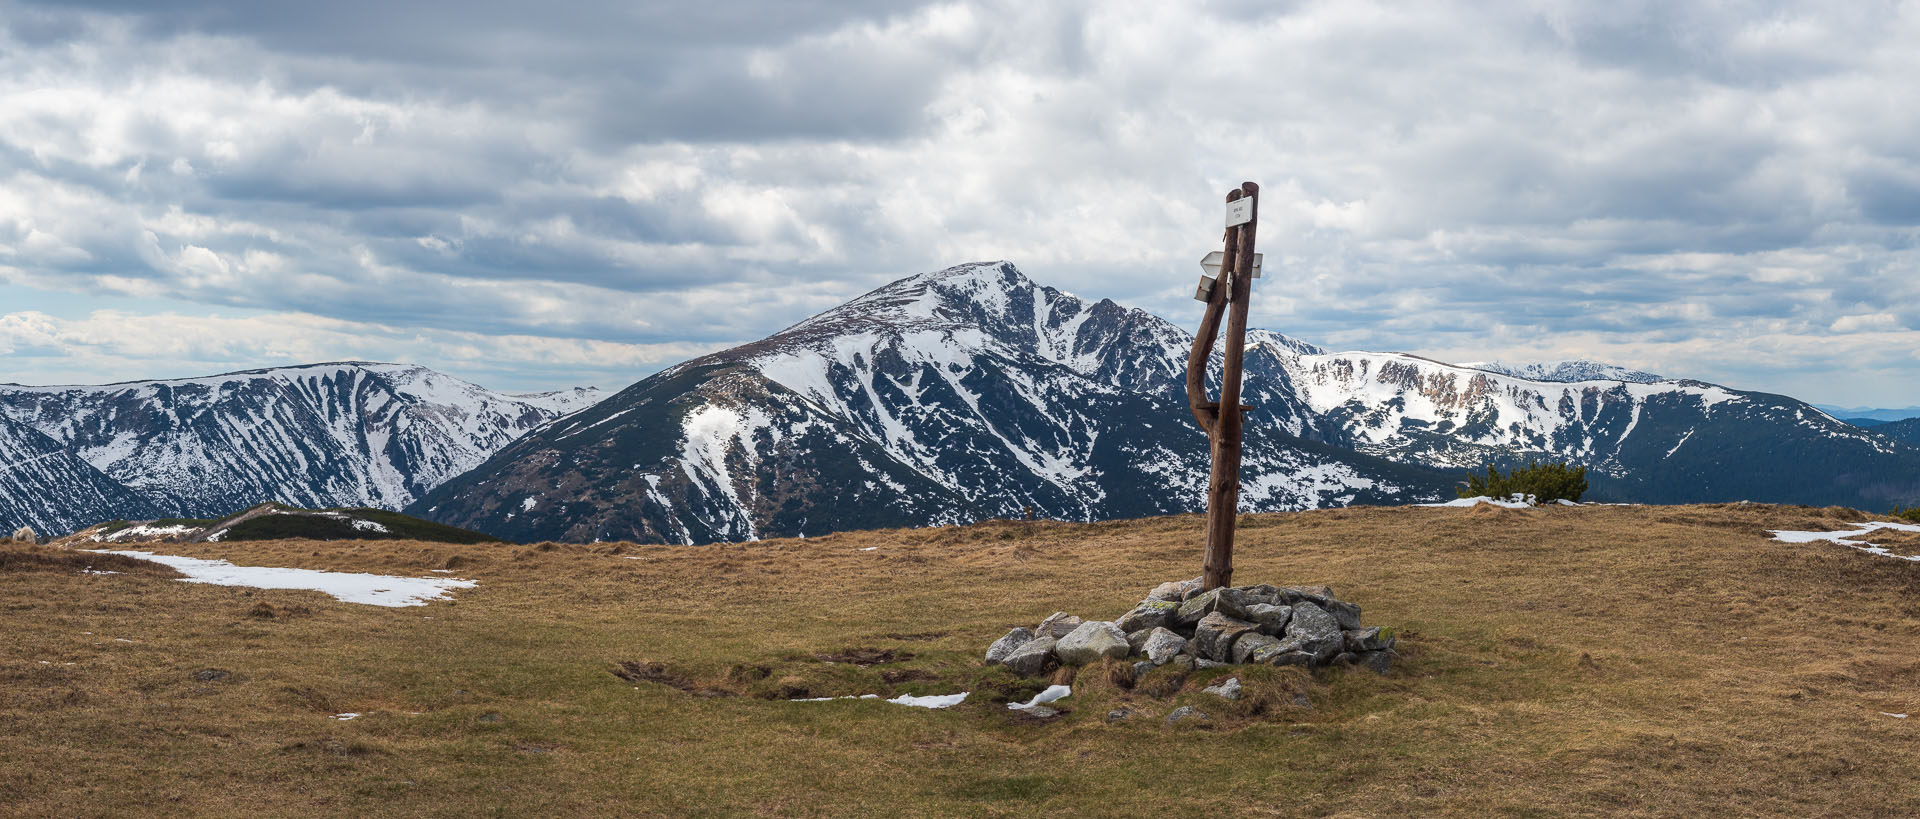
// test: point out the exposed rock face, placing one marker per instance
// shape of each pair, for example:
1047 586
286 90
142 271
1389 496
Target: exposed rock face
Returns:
1260 624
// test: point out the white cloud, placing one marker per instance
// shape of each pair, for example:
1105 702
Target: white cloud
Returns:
1678 186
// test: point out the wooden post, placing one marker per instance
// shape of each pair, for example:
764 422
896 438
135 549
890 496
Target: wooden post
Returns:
1223 421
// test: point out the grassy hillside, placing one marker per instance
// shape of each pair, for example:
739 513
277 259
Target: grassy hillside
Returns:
1638 661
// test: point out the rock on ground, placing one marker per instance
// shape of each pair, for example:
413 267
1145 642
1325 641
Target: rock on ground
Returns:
1162 645
1005 646
1030 659
1215 633
1057 625
1149 614
1090 641
1187 713
1228 689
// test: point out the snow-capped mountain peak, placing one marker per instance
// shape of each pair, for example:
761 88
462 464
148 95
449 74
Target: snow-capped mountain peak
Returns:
345 433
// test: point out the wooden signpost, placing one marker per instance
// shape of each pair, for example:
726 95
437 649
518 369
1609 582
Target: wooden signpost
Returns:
1223 419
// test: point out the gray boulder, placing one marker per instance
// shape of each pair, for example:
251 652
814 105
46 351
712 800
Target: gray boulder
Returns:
1229 689
1091 641
1030 659
1380 662
1162 645
1370 639
1284 652
1270 618
1223 600
1175 591
1346 614
1215 633
1149 614
1248 645
1005 646
1057 625
1187 714
25 534
1263 593
1315 631
1141 668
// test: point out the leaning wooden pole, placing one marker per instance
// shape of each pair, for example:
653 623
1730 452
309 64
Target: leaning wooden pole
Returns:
1227 417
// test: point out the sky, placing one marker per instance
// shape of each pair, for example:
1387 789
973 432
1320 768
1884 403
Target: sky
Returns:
532 196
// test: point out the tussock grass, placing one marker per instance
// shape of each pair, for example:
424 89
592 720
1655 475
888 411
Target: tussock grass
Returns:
1638 661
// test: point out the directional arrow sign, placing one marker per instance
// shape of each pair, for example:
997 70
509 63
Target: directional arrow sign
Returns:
1211 264
1239 212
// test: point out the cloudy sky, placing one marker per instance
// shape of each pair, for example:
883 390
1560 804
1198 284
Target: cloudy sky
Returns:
589 191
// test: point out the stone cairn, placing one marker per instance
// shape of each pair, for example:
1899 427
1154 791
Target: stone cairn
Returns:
1180 625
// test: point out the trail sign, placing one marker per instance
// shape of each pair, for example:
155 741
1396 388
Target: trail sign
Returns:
1239 212
1222 420
1211 264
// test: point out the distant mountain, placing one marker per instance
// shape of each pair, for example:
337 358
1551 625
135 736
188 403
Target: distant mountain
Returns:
1907 431
323 435
45 486
1851 414
1566 371
950 397
1865 423
974 392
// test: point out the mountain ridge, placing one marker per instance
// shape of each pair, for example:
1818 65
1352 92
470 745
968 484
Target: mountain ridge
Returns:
975 392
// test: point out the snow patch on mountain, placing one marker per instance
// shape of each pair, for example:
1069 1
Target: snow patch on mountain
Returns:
1578 369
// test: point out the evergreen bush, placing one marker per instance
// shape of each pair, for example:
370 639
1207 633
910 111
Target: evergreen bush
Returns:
1546 482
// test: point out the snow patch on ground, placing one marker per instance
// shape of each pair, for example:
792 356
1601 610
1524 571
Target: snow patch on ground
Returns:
347 587
1517 502
930 701
1053 693
1847 537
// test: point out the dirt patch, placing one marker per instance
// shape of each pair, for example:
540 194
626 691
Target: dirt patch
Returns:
651 672
895 676
865 657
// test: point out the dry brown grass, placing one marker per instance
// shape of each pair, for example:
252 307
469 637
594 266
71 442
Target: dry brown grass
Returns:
1639 661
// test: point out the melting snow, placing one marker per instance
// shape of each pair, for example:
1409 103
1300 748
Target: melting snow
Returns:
346 716
1516 503
347 587
1053 692
1846 538
932 701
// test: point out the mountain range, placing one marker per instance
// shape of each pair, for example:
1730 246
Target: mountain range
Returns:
974 392
324 435
952 396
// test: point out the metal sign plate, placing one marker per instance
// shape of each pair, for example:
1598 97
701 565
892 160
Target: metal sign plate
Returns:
1205 291
1239 212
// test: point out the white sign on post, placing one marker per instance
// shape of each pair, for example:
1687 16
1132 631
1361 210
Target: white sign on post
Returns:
1211 264
1239 212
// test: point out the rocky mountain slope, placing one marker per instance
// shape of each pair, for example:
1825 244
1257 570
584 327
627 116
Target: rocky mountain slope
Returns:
44 486
974 392
324 435
950 397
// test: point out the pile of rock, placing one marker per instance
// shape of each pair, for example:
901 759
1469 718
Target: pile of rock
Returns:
1181 625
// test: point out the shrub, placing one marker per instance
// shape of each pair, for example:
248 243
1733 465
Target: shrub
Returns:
1547 482
1911 513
